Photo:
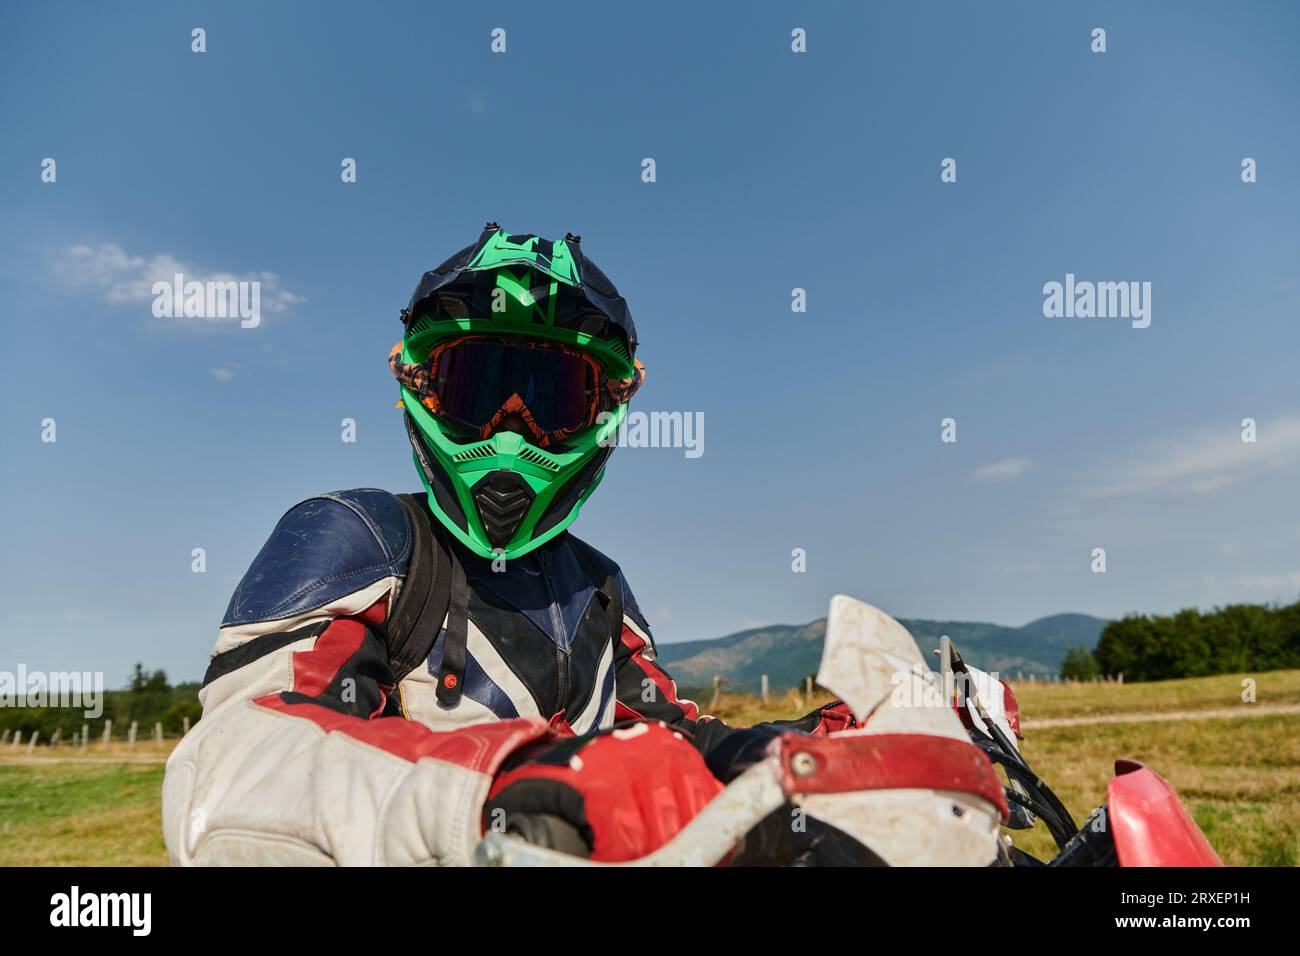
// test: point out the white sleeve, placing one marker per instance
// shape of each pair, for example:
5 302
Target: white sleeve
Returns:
301 759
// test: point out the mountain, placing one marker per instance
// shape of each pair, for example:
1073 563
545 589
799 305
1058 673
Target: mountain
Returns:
788 653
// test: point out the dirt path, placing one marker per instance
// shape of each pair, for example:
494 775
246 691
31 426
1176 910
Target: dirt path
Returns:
1243 710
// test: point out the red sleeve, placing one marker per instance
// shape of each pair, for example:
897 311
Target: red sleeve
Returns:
644 689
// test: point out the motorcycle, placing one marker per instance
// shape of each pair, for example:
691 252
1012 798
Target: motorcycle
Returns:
932 799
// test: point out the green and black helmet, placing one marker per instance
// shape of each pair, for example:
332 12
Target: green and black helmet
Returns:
516 366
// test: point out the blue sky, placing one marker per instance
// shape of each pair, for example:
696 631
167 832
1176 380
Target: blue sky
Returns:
775 170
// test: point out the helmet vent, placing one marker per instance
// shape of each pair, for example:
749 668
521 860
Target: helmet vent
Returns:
503 498
472 454
533 458
423 324
485 450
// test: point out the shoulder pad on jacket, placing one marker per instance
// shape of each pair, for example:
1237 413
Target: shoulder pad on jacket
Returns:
323 549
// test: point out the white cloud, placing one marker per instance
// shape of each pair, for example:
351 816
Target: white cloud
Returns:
227 372
1002 470
123 278
1204 460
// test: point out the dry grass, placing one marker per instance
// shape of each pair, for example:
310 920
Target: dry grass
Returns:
742 710
1045 701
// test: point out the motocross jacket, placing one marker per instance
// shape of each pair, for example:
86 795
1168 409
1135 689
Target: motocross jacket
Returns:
314 748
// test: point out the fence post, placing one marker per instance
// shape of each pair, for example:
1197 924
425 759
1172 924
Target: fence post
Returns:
157 732
108 732
763 686
54 740
131 735
18 738
31 745
807 691
1119 678
5 739
717 693
185 726
85 736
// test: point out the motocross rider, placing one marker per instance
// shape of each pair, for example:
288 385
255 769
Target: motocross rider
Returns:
395 674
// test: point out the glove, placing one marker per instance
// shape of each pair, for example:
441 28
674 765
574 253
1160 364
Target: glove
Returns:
611 796
743 747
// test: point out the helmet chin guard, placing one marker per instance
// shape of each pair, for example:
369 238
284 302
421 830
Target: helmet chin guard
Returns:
501 498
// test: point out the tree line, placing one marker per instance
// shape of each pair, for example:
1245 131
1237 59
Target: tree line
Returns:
1232 639
148 698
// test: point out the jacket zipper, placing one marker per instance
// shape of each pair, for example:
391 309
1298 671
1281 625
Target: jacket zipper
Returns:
557 622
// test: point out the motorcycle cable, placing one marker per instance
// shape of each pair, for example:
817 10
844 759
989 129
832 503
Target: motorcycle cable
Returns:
1009 748
1044 813
1058 828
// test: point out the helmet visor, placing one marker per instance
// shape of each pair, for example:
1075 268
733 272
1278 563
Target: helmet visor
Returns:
478 379
545 390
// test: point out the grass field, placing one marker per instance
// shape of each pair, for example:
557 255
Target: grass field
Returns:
78 812
1238 775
